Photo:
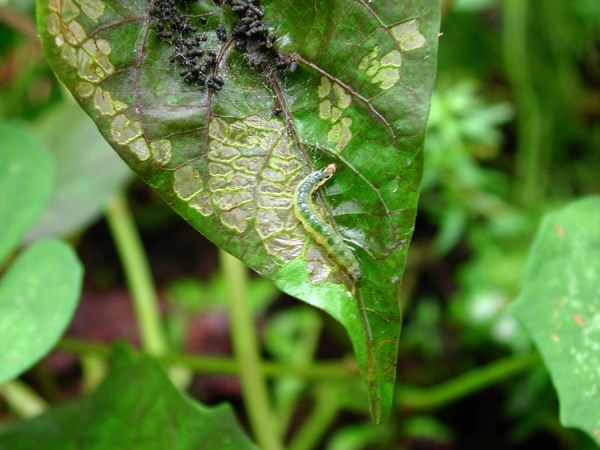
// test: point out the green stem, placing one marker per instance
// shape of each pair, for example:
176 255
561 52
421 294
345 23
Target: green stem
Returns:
288 391
319 420
22 400
138 275
409 398
245 346
330 371
530 124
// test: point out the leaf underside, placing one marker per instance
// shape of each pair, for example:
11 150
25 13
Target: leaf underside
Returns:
355 92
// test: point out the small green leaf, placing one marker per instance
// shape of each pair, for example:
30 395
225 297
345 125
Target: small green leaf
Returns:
26 178
146 414
88 173
38 296
560 307
229 160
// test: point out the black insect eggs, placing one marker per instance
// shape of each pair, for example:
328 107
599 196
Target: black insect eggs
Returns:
221 33
199 65
175 29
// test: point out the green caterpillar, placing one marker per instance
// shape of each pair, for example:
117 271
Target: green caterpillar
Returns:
322 233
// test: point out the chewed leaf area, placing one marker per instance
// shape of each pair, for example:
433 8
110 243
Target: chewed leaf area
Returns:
225 107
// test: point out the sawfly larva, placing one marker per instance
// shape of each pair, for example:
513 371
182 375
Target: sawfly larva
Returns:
324 234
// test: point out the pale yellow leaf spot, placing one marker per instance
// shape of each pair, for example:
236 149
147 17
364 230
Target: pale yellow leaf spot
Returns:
120 106
201 203
124 130
139 148
364 62
73 33
219 170
325 109
346 134
187 182
68 11
262 124
217 129
94 9
103 102
220 152
53 24
84 90
373 68
103 46
237 131
344 98
268 223
324 88
161 151
408 36
54 5
336 113
86 67
236 217
340 133
99 50
274 125
69 54
393 58
387 77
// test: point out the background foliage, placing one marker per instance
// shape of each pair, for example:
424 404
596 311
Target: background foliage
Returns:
512 135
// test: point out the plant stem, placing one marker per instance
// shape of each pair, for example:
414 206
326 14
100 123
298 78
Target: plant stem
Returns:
330 371
319 420
410 398
530 182
137 274
407 397
246 350
22 400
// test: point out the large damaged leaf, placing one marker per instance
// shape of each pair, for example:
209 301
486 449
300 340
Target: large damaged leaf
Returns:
225 107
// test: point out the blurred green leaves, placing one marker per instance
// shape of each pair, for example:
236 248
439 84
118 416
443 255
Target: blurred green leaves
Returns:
26 182
88 173
41 286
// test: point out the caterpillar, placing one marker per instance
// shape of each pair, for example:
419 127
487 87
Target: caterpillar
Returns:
326 236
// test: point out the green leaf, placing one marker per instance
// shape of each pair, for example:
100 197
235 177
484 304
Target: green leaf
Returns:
26 179
38 296
229 160
88 172
560 307
148 414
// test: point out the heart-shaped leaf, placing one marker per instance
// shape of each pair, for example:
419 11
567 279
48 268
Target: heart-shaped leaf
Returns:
150 414
560 307
225 107
38 296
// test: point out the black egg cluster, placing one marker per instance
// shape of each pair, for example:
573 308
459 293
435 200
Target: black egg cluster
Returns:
252 35
196 65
